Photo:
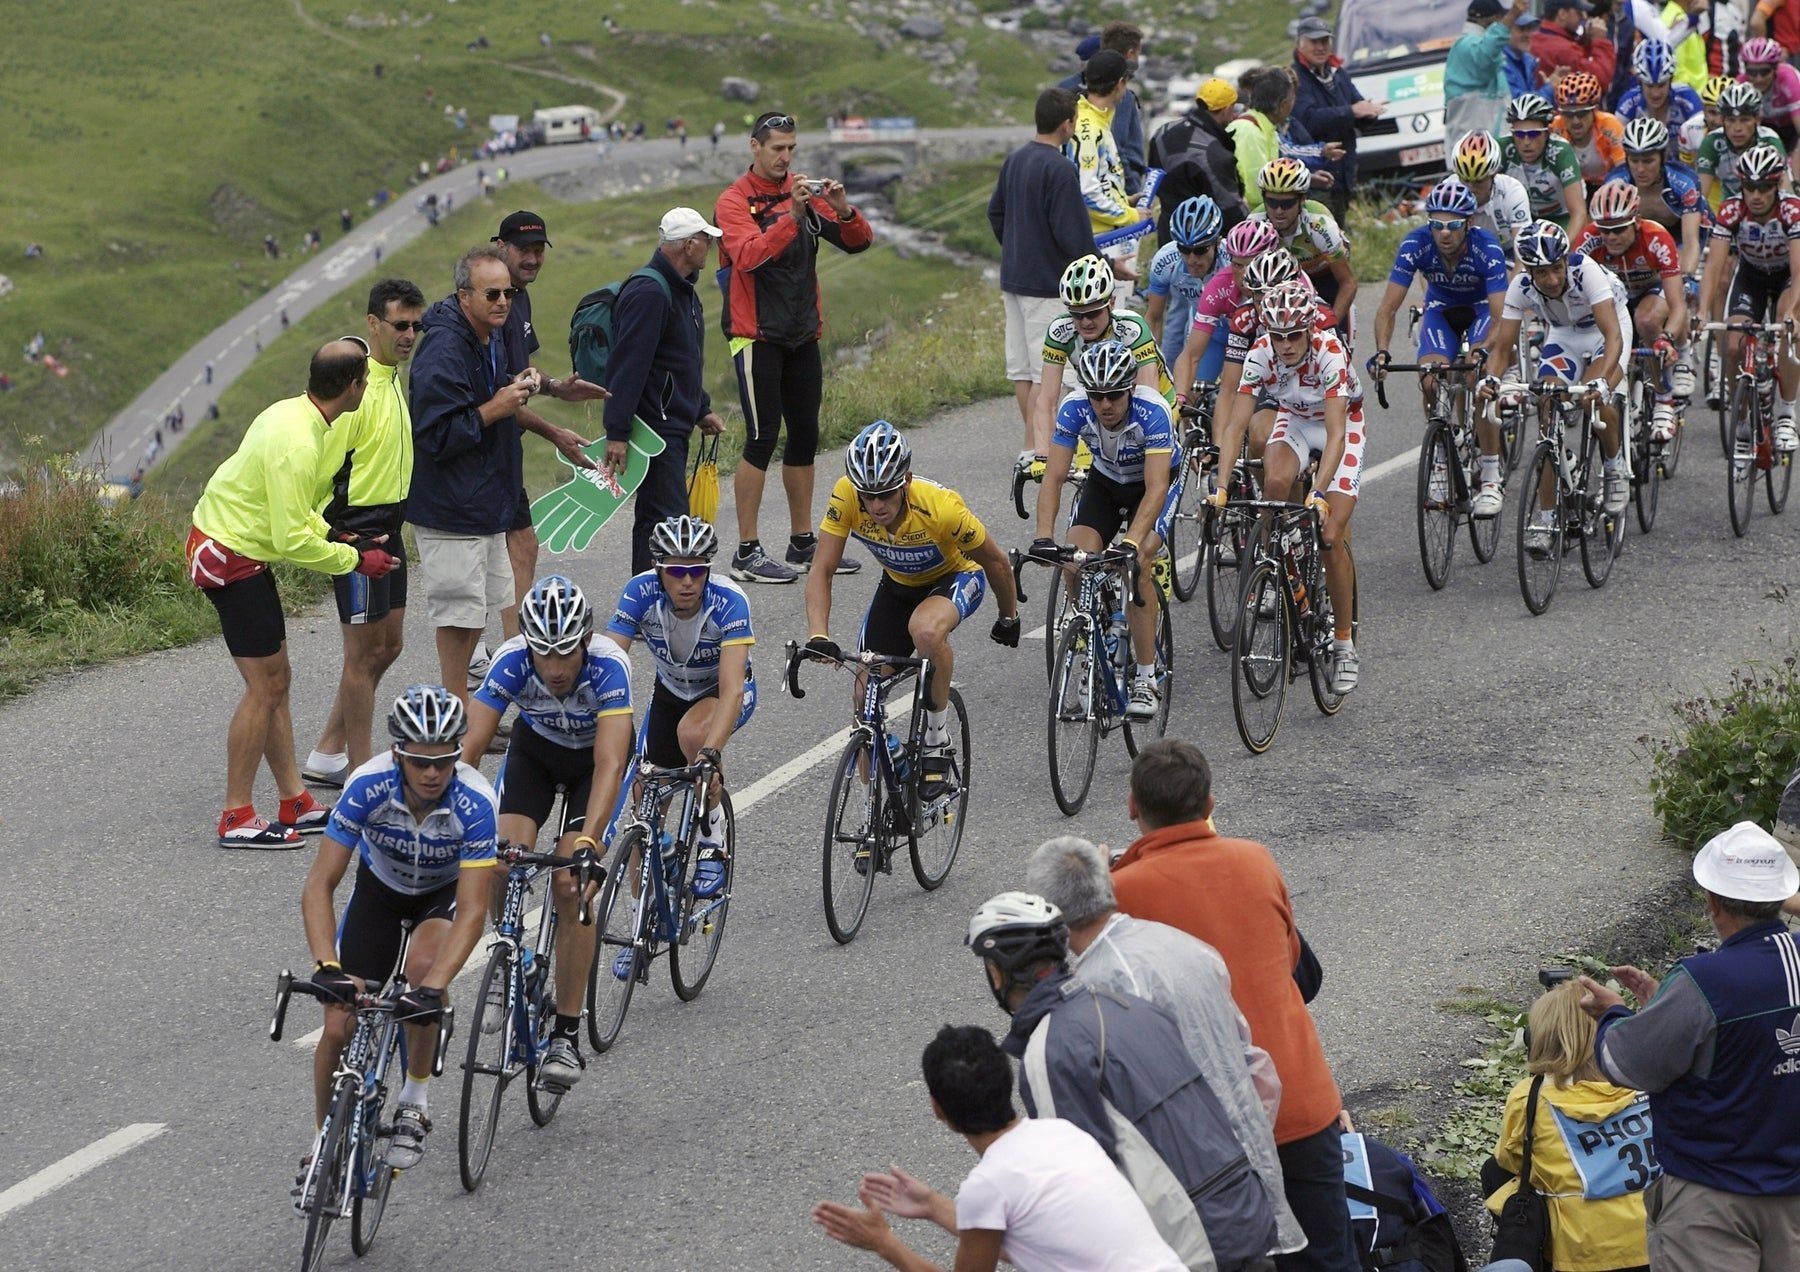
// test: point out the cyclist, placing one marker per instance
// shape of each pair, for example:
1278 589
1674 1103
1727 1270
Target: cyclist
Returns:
1262 275
1318 244
1502 207
1134 483
1668 190
1644 257
937 559
1465 281
1583 306
1203 357
1180 269
1766 70
1694 131
1761 228
697 628
1740 128
421 828
1596 136
1656 96
1543 163
1318 407
573 734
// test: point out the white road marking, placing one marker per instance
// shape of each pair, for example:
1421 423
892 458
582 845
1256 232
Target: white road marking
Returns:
1386 466
77 1164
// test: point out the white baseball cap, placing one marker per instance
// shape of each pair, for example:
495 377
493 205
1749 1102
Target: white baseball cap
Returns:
680 223
1746 863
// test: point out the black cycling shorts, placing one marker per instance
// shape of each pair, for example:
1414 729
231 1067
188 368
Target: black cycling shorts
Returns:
250 615
885 628
362 600
368 939
662 728
522 514
1754 293
536 769
1106 506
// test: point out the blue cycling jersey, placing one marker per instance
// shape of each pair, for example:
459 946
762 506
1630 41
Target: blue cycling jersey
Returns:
1119 454
1169 277
1684 104
408 855
1680 194
602 688
1479 274
686 650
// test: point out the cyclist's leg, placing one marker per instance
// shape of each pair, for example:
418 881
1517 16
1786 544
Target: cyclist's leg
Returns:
1285 457
1439 333
1612 441
431 924
368 942
1563 358
1787 379
929 627
1340 498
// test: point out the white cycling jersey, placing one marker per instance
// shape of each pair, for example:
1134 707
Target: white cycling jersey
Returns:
1302 391
1590 285
1507 210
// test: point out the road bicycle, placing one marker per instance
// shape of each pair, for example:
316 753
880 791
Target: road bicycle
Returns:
1651 461
1747 415
1220 535
1094 666
347 1174
1199 456
886 791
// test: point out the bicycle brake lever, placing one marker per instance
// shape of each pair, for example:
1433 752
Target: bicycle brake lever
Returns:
446 1028
283 992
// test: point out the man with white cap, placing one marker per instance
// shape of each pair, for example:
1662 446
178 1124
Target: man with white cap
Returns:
657 370
1717 1047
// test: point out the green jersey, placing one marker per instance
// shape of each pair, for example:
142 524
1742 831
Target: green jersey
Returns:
1062 344
1544 180
1718 159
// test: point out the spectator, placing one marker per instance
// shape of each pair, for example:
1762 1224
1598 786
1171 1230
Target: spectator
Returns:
1590 1143
1475 76
1254 136
1043 1189
209 373
1230 894
1128 118
1187 979
1037 215
1519 65
1779 20
1616 21
345 220
1328 106
1096 156
1198 156
368 459
257 508
1715 1046
465 398
1567 41
658 371
773 218
1116 1066
1297 143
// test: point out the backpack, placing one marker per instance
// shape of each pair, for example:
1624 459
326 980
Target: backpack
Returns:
591 329
1400 1225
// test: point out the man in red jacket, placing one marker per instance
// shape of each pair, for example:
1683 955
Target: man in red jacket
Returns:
1567 41
773 219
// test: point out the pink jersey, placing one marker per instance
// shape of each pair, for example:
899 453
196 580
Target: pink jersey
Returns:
1220 298
1782 102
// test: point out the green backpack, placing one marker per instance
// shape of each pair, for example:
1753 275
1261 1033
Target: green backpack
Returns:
591 329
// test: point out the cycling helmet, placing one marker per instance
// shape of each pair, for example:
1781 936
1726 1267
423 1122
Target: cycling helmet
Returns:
1541 243
1760 165
1762 51
1196 221
1646 136
1105 367
1709 91
1529 108
427 713
1284 176
878 458
554 617
1614 203
1014 931
1739 98
1250 239
1451 195
1477 156
682 536
1087 281
1578 90
1269 270
1653 61
1290 307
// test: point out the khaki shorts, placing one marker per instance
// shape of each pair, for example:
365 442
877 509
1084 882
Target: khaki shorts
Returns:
1027 319
467 577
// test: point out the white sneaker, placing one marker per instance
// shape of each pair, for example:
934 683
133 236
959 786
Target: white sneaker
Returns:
479 662
1488 501
1144 699
1786 439
1681 380
1662 423
1345 666
1618 490
1538 536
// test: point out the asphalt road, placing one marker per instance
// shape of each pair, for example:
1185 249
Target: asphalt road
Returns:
1478 804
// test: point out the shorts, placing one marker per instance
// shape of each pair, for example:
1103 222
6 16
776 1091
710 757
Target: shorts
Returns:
536 769
659 739
1443 328
1568 352
467 576
1754 293
522 514
1027 319
250 615
1106 506
368 936
1306 436
884 627
361 599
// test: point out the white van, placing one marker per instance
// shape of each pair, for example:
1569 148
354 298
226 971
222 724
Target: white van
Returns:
1395 51
564 123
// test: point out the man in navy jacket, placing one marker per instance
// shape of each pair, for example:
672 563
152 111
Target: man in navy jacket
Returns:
1327 105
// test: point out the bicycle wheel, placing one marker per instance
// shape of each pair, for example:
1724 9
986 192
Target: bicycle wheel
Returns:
1539 572
1776 480
1646 486
1262 656
1319 668
1601 531
937 815
1157 726
1224 549
1437 504
618 918
375 1176
1074 717
542 1104
1058 605
1740 469
692 956
329 1154
487 1068
853 838
1189 528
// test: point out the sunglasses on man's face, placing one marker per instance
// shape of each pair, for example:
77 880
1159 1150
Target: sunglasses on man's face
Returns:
1450 226
1107 395
1199 249
1280 205
1529 134
686 571
427 762
1759 187
1757 72
1088 315
404 326
491 294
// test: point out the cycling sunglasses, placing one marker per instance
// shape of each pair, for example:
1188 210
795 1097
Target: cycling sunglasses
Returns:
1280 205
1449 226
884 496
1107 395
1200 249
686 571
1081 315
774 123
428 761
1529 134
1627 228
1759 187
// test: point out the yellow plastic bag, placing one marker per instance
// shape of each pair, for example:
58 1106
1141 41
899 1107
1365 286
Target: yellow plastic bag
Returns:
703 482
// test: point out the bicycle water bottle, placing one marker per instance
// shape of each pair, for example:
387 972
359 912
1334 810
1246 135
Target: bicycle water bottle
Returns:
532 972
1119 638
897 755
1295 581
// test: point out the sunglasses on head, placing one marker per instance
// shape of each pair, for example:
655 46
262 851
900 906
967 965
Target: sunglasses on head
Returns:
1529 134
491 294
774 123
1280 205
1450 225
427 761
404 326
699 571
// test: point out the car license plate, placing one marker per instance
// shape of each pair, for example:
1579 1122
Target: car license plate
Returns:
1411 155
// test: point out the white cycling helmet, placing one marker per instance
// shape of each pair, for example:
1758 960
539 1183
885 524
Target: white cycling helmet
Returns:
1105 367
427 714
1271 269
1014 931
878 458
554 617
683 536
1087 281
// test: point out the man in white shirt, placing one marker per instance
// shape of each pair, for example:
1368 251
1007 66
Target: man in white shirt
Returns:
1044 1196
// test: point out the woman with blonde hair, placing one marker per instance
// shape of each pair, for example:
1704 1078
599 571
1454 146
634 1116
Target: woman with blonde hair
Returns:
1591 1155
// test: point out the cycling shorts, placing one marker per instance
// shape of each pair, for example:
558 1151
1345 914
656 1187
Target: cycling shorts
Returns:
884 627
368 936
659 738
1568 352
1303 437
250 615
1754 293
536 769
1107 507
1442 329
362 600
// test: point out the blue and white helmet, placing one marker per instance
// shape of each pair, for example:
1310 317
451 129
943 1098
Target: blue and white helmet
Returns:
428 714
1453 196
878 458
1653 61
683 536
1541 243
554 617
1105 367
1196 221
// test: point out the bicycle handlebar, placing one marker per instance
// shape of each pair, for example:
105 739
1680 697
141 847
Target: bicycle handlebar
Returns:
865 658
1067 555
1378 371
286 986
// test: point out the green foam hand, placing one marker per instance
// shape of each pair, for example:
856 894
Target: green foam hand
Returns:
569 517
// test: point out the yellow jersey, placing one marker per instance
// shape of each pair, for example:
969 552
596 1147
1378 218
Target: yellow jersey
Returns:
933 539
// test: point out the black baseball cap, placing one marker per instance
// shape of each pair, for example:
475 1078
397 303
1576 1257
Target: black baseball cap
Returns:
1105 67
522 229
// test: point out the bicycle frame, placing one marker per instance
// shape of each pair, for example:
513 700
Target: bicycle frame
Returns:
524 869
1759 353
657 788
871 711
1101 577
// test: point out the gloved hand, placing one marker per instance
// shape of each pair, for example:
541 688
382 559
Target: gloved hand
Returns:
1006 632
1219 496
420 1006
332 980
1043 550
1315 503
376 562
710 755
1377 363
825 648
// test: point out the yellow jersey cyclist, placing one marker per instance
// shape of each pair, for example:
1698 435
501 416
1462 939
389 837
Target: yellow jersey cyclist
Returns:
1308 231
422 830
1502 207
937 560
1133 483
573 735
1543 163
1723 149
